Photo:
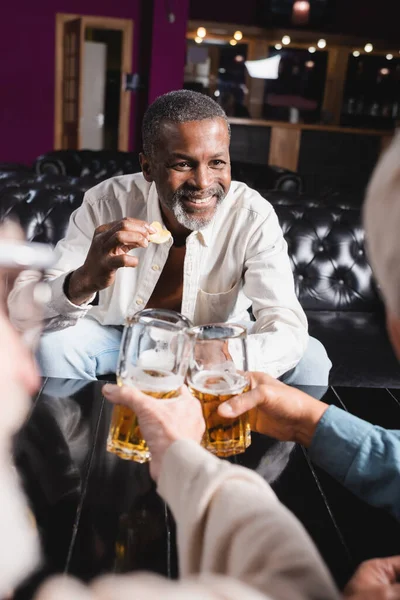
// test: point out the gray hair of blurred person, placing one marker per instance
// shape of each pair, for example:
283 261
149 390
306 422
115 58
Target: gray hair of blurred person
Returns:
181 106
381 214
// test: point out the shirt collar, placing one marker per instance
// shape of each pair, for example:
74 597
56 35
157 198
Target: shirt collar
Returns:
205 235
153 206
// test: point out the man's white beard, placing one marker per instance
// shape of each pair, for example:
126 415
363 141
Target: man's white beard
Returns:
191 221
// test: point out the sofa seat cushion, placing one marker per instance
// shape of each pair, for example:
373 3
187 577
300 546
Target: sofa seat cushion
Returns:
358 347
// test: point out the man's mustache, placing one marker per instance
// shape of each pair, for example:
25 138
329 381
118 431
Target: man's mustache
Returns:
190 193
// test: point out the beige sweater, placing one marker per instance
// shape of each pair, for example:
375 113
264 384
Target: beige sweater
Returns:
236 541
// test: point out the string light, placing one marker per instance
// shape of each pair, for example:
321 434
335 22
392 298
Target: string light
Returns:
201 32
356 53
389 56
286 40
238 35
321 43
233 42
368 47
312 49
198 39
278 46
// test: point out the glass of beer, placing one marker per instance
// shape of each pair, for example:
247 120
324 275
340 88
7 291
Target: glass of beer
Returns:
217 371
154 357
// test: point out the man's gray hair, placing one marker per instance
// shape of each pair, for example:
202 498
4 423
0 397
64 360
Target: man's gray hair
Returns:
180 106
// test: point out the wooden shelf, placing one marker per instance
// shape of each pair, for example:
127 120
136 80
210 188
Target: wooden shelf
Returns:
306 126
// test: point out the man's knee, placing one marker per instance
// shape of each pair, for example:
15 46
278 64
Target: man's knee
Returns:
313 368
317 356
62 354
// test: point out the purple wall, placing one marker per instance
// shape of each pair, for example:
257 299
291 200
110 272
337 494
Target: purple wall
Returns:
27 51
168 48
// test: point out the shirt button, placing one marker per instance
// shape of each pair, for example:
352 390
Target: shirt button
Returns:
156 267
139 301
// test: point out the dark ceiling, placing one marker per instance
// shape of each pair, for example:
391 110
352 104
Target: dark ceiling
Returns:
365 18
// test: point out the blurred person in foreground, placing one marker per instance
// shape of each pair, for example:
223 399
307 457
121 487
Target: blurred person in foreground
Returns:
235 539
363 457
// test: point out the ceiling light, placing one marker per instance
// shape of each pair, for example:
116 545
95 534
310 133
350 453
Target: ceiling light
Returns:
278 46
233 42
312 49
201 32
321 43
356 53
301 12
389 56
238 35
198 39
286 40
217 93
368 47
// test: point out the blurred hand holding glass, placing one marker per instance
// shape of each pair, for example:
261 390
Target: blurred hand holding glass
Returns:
154 356
28 261
217 372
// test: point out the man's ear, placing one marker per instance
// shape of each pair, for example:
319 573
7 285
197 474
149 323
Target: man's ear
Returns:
146 167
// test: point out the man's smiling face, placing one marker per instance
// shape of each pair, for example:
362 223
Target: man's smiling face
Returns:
191 170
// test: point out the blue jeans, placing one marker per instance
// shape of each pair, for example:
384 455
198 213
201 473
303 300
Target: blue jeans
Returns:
89 349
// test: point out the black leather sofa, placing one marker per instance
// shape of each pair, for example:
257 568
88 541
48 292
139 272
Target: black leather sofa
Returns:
102 164
326 246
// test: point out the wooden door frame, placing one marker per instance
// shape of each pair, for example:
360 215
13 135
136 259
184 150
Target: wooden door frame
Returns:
124 25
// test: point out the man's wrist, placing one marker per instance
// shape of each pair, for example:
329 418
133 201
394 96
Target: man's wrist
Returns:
77 288
308 422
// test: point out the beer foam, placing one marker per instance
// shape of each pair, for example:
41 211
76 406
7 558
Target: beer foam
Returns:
218 382
162 380
157 358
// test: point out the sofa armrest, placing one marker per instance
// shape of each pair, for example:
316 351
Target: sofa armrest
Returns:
266 177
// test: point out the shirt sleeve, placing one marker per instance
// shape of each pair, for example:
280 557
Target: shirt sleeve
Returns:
279 336
230 522
363 457
71 253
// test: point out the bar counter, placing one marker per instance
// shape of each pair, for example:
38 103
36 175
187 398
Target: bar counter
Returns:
328 157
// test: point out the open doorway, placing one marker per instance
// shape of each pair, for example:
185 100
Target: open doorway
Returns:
91 107
105 45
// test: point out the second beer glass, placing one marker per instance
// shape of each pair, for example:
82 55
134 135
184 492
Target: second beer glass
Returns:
217 372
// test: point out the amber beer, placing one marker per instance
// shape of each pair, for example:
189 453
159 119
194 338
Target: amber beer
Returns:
125 438
223 437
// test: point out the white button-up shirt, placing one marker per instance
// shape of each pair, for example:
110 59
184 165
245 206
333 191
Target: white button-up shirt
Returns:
238 261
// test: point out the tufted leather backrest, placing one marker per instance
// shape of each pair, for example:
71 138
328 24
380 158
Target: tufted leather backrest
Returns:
42 212
326 249
100 164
